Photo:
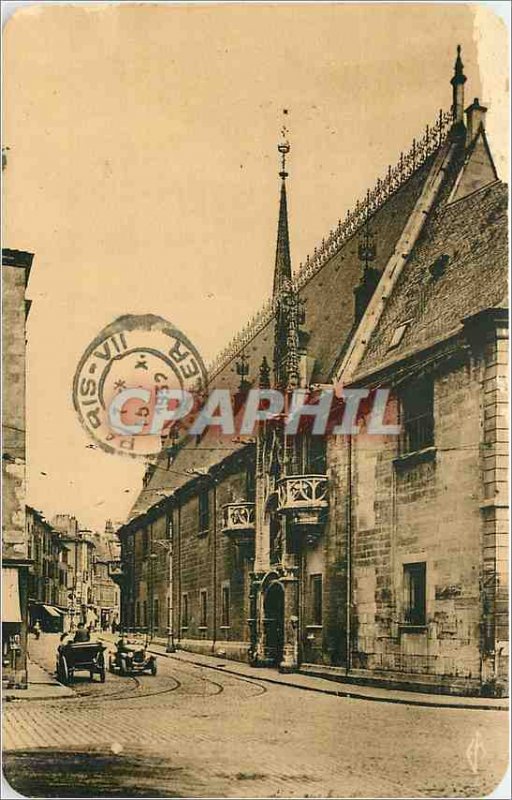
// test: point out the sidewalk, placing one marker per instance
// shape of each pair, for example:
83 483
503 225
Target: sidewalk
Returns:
324 686
41 686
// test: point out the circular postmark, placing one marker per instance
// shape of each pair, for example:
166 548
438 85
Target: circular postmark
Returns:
131 380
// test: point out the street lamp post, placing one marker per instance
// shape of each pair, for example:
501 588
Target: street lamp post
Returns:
152 559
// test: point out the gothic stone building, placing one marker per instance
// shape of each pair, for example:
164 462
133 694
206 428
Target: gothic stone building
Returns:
359 557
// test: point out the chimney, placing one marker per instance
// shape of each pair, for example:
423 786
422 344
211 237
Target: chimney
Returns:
475 116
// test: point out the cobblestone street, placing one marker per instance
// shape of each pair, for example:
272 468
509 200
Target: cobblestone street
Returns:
194 731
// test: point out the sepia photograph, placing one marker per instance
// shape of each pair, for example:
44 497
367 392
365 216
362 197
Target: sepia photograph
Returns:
255 409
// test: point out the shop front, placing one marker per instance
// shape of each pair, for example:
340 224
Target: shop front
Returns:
14 625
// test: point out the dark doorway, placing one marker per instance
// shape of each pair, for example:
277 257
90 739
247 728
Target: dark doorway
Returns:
274 623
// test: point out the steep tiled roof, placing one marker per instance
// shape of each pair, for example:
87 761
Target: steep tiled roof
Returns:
329 294
458 267
194 453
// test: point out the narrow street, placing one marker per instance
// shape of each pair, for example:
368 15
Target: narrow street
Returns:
192 731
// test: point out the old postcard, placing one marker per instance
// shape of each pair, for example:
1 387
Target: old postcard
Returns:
255 400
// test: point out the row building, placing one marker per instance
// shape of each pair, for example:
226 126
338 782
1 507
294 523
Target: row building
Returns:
69 575
356 557
16 266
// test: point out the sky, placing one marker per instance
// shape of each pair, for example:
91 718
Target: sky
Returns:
142 172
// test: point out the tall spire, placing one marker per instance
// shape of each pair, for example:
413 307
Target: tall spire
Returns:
283 265
457 82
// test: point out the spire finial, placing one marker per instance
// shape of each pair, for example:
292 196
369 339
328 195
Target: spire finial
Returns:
458 80
242 369
264 377
458 70
284 146
283 267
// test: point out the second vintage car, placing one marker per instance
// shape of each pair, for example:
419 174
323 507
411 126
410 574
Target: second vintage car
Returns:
131 656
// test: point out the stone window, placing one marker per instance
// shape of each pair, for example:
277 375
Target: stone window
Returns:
203 511
184 611
313 455
316 599
417 413
250 484
203 608
415 593
226 601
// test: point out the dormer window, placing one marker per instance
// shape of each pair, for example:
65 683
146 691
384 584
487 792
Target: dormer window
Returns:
438 267
398 335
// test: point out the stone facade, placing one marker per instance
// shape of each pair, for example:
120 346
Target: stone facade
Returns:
48 574
426 507
105 594
16 267
182 578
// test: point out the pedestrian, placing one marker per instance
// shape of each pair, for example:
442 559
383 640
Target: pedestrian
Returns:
82 634
37 629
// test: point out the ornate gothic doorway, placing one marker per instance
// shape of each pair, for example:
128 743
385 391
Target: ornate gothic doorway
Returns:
274 622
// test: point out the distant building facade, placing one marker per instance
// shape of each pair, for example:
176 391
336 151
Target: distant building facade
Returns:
106 593
357 557
16 267
48 574
80 549
92 597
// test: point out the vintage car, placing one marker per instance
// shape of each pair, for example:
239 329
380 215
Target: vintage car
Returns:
131 656
86 656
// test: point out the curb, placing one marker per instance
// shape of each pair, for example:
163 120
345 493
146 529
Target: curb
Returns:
69 692
349 693
55 698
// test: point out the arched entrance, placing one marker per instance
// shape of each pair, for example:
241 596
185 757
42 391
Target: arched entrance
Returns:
274 622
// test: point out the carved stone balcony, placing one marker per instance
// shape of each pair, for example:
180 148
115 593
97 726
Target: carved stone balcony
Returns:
238 522
303 499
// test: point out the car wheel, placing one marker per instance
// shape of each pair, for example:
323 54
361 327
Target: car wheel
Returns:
63 670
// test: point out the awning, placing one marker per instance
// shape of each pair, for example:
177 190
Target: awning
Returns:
51 611
11 611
